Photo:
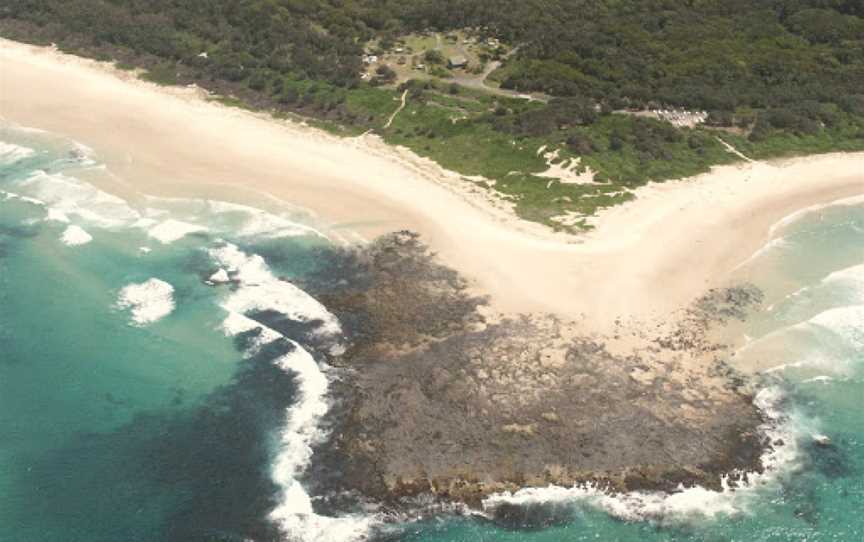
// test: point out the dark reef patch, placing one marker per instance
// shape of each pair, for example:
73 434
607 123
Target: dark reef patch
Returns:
18 231
303 331
204 469
830 459
533 517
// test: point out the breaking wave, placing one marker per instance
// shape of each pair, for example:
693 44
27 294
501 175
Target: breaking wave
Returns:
259 290
8 196
797 215
241 221
66 196
845 323
254 289
171 230
774 244
259 223
825 322
852 278
11 153
785 431
147 302
74 236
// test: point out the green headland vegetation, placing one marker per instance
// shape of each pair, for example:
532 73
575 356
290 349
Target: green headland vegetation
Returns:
564 106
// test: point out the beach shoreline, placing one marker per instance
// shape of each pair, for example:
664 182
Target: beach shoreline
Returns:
486 347
643 261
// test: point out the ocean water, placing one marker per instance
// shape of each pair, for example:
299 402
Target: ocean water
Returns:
163 378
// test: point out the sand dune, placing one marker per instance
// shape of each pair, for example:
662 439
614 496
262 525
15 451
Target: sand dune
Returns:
644 259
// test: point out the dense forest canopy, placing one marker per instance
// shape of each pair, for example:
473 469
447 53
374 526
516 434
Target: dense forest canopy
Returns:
707 54
777 77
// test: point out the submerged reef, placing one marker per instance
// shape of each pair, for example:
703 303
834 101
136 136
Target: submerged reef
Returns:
441 397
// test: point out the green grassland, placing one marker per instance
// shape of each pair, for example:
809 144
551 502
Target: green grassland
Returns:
458 132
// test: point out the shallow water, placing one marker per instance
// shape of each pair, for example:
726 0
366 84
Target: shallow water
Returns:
142 397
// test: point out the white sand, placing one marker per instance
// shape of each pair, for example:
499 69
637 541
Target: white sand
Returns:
645 258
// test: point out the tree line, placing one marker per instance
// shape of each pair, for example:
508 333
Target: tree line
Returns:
791 65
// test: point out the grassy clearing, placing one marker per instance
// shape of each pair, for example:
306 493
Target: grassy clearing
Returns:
470 145
458 132
849 137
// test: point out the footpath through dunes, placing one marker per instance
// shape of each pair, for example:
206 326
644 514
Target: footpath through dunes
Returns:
644 259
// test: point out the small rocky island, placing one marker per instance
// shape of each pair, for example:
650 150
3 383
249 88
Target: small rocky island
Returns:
444 398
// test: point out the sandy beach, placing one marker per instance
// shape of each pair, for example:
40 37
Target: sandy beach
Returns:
643 260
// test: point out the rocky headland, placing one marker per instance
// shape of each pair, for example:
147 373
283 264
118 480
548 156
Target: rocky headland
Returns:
444 398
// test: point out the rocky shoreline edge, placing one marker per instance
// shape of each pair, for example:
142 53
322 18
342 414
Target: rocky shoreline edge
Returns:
444 401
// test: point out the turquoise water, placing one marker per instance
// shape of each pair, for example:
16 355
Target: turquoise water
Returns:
151 418
143 397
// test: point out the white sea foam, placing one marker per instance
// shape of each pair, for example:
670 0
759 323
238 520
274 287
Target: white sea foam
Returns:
821 379
74 236
261 290
783 367
144 223
54 215
295 514
797 215
11 153
71 197
235 324
846 322
851 278
171 230
220 277
828 356
772 245
686 503
236 219
22 129
854 273
83 154
261 223
148 301
8 196
272 226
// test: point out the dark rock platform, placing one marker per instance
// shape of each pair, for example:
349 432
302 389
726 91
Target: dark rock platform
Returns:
442 399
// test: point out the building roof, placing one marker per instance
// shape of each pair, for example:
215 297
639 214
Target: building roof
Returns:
458 61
